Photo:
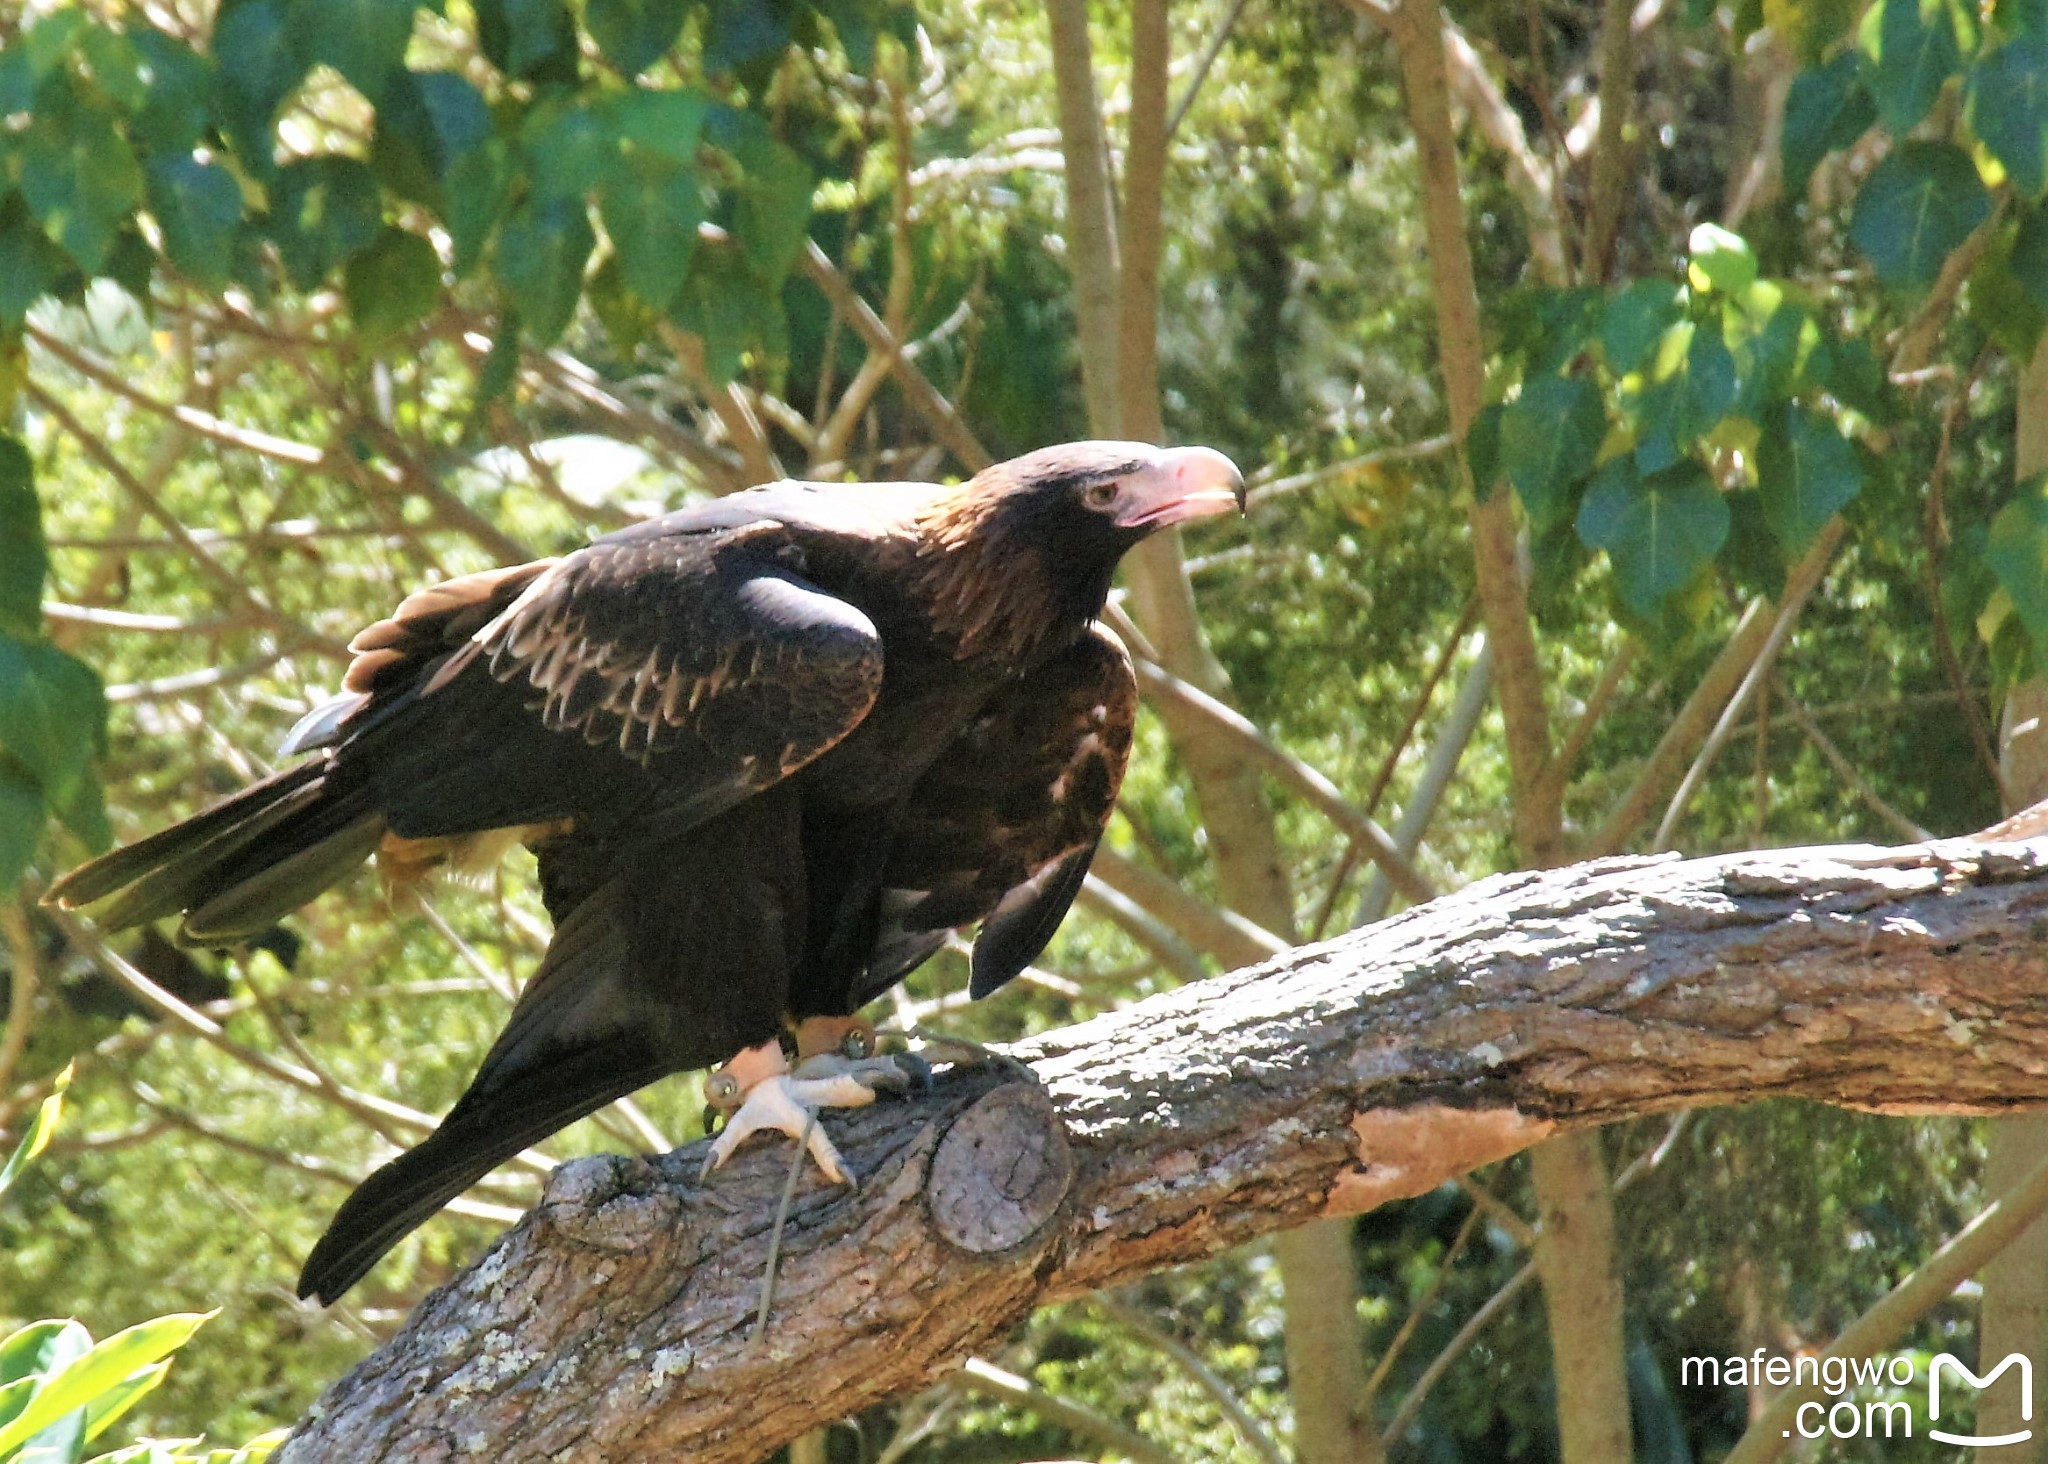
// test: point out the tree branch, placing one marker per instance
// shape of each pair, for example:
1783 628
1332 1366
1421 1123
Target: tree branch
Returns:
612 1322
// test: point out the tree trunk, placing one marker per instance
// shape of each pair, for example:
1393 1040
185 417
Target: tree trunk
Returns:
612 1324
1582 1298
1116 291
2014 1314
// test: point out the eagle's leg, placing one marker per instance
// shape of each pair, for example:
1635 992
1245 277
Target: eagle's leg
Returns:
757 1090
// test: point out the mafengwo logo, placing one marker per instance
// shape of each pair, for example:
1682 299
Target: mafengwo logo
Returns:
1887 1416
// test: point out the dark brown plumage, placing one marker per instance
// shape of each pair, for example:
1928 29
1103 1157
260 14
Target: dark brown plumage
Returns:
769 751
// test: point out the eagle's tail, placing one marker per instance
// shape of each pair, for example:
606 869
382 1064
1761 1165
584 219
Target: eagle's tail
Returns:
233 869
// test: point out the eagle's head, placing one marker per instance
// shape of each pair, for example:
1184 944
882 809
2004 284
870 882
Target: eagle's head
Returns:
1023 552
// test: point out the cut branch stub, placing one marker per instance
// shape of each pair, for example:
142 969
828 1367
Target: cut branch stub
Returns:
1001 1171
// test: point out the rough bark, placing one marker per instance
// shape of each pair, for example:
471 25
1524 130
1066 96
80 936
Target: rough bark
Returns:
612 1323
2014 1314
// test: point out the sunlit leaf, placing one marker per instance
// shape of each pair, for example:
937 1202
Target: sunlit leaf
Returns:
100 1370
1720 260
2008 109
19 1354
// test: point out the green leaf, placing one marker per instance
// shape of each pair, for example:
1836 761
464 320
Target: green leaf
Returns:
24 561
1708 383
478 184
323 209
532 40
100 1371
1806 473
494 377
634 34
84 812
775 207
2008 109
108 1409
1828 108
199 208
41 1348
37 55
257 49
651 208
741 35
427 120
1482 449
364 40
1769 367
116 66
23 813
53 713
19 1352
1917 205
392 284
719 303
1916 53
1635 320
539 260
2007 309
30 265
1549 438
1658 532
1720 260
78 176
569 147
180 102
2029 259
2017 552
665 123
35 1354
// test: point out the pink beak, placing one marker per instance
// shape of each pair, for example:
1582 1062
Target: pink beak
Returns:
1182 483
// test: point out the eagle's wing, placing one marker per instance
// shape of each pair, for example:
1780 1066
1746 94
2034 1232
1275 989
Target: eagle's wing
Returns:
1001 829
661 677
648 681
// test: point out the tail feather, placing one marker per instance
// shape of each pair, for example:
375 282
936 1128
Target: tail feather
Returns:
236 866
405 1193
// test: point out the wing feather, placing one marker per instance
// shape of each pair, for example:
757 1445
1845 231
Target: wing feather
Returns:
1003 826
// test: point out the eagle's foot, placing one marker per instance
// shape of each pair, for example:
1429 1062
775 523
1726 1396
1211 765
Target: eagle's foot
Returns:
757 1090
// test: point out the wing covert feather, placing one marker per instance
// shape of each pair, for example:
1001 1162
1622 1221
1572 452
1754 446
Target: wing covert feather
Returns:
1002 827
653 642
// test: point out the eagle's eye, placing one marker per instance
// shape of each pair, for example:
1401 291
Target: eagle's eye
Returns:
1102 495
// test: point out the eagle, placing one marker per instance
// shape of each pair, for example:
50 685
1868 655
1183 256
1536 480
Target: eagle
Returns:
769 751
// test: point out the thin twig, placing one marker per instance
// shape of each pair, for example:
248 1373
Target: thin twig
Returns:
796 1168
1420 1309
1248 1429
1207 59
1846 770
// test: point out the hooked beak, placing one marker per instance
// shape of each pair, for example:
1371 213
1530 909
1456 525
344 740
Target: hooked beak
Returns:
1182 483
